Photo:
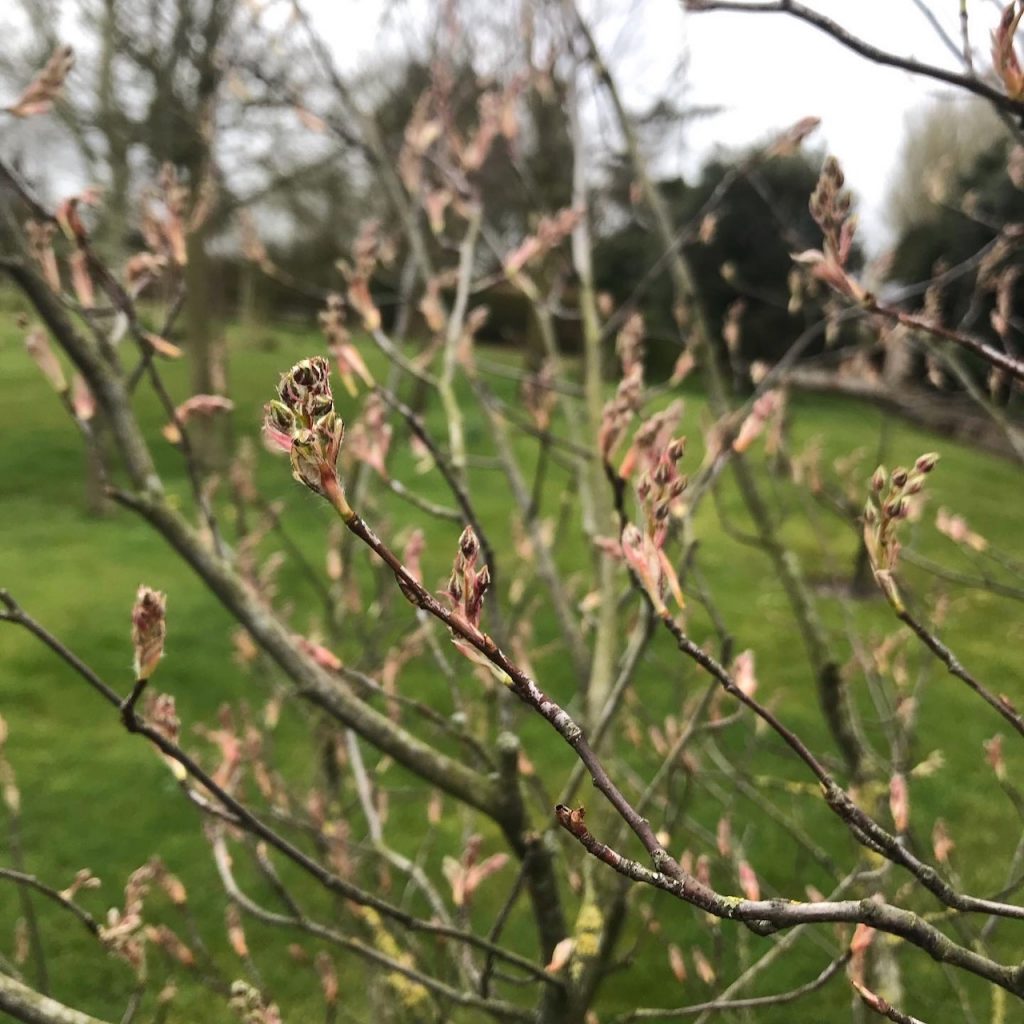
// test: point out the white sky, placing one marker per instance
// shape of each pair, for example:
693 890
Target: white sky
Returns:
769 70
766 71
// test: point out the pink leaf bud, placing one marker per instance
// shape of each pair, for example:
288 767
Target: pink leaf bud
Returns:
149 630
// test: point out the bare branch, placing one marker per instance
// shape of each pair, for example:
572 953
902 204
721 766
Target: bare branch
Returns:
864 49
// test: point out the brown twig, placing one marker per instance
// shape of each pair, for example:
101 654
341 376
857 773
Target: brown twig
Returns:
25 1004
28 881
1001 360
862 826
767 916
752 1003
949 659
667 874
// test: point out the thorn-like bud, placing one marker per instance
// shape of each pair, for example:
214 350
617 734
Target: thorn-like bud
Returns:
926 463
468 544
483 579
474 602
149 630
878 480
899 477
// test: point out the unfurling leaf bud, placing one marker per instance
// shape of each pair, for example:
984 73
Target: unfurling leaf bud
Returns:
328 977
475 599
305 460
994 755
663 473
894 508
304 424
468 544
748 881
149 630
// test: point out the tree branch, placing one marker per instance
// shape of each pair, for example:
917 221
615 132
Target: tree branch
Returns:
25 1004
752 1003
864 49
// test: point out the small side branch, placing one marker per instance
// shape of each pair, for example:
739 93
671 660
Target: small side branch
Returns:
953 666
768 916
31 882
752 1003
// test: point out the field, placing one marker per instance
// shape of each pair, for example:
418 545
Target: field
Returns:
94 796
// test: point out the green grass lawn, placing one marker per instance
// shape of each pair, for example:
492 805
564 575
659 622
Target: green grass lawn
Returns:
93 796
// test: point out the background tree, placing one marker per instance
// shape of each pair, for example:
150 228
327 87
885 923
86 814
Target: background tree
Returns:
941 143
985 201
740 253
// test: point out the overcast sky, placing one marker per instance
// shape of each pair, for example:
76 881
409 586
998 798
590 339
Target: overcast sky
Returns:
768 70
765 71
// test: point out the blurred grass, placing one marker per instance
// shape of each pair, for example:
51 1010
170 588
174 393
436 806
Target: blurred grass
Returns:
94 796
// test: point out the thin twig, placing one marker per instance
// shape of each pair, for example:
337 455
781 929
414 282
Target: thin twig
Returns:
31 882
952 663
752 1003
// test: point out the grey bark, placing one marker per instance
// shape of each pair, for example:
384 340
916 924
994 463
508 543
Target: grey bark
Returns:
25 1004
